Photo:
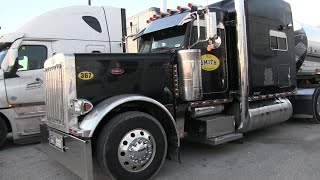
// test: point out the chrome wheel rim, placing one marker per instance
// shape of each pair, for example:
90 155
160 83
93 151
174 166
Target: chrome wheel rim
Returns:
136 150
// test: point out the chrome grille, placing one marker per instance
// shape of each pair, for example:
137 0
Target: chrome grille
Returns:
55 110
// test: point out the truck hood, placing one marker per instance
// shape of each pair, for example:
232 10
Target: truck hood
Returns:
10 37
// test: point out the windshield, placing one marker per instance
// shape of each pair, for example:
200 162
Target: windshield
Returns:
171 38
3 50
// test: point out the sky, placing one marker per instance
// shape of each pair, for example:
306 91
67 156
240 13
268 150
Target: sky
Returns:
14 13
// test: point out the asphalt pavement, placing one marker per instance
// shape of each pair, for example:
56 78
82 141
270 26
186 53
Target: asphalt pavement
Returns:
288 151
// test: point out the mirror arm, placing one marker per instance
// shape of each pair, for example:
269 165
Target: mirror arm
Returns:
198 30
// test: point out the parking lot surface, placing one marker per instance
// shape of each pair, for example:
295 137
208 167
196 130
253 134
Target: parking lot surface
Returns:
287 151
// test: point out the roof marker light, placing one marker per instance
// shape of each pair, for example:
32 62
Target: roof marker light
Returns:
171 12
182 9
193 6
163 14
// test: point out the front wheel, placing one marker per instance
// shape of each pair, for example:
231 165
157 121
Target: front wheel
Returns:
133 145
3 132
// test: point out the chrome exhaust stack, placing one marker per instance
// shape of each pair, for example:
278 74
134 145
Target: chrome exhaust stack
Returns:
242 48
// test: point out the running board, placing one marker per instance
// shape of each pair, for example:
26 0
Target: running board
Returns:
223 139
217 140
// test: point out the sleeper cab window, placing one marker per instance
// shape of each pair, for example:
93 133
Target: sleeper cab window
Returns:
278 41
93 23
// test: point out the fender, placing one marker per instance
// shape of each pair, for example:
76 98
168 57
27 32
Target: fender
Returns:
96 115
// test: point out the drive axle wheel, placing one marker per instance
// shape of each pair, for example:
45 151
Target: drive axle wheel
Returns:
3 132
133 145
316 106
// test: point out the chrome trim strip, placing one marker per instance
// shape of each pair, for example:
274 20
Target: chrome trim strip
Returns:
243 63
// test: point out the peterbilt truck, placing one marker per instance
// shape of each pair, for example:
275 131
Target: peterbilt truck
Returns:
208 74
85 29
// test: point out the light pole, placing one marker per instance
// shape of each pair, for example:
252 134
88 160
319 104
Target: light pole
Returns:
164 5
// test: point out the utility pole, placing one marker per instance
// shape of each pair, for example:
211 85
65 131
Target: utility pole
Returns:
89 2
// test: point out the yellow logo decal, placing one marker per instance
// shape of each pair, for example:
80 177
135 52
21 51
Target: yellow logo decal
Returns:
85 75
209 62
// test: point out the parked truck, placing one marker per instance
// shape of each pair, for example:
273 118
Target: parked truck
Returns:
208 74
22 54
306 101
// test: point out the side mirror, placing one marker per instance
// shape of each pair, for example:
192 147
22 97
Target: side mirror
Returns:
9 60
211 24
207 20
23 63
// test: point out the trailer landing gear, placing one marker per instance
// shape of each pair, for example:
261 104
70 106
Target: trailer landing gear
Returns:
133 145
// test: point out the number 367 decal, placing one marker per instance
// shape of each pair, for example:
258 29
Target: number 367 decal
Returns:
85 75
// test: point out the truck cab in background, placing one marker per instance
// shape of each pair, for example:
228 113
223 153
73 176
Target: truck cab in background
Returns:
81 29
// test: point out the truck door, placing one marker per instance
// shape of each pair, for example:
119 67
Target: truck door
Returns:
27 88
213 63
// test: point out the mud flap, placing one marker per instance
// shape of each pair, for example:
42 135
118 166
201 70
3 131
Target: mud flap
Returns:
72 152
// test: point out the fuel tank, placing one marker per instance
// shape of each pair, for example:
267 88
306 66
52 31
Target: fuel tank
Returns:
269 112
262 114
301 44
309 62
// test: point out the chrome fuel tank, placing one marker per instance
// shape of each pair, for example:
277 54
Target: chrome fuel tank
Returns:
268 112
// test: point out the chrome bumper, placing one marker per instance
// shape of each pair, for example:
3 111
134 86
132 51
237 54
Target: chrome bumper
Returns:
76 154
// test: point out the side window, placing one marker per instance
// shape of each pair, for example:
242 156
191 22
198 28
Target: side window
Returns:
93 23
278 41
32 57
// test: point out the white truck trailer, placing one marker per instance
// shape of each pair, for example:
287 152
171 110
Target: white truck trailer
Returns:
135 24
82 29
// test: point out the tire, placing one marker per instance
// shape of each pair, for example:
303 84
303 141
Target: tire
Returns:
117 148
316 107
3 132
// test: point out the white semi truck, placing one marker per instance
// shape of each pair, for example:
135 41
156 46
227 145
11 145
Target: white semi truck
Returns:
82 29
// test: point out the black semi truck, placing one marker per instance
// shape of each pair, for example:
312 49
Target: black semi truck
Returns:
208 74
